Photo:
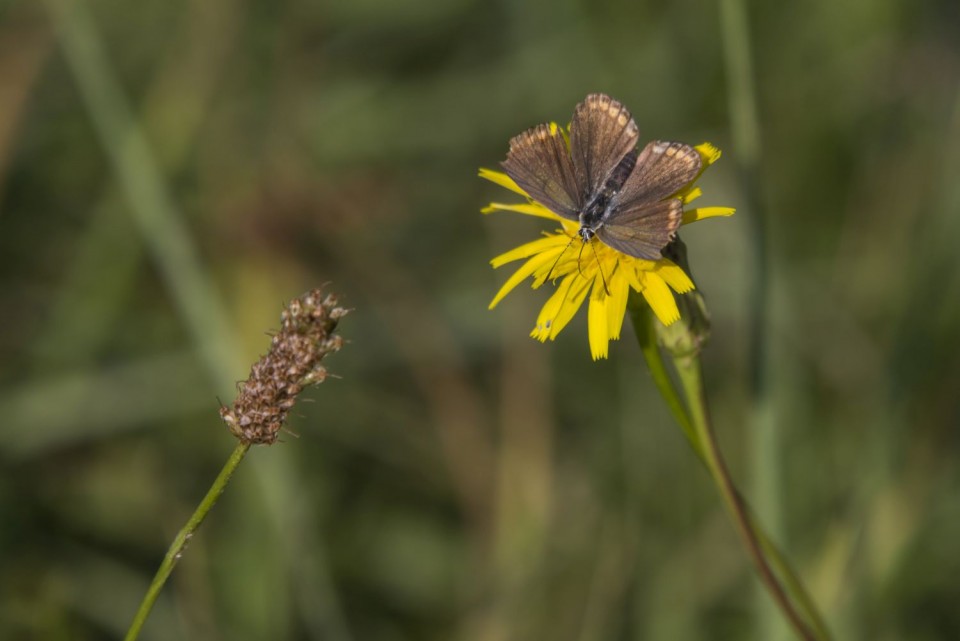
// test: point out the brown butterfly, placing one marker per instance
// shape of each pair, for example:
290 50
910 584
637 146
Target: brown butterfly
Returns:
626 199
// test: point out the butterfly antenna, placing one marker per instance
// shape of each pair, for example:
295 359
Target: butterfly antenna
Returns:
600 269
557 261
579 256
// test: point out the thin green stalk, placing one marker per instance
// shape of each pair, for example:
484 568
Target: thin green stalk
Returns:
691 380
789 576
693 418
183 538
647 337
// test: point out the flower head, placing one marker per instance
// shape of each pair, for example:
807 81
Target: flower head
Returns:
581 254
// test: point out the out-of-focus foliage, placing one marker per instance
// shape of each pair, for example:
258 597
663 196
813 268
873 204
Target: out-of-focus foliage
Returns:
461 481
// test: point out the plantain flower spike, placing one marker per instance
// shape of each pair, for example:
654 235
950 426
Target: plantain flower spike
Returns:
293 363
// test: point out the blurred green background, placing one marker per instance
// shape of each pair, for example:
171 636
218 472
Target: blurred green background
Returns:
172 172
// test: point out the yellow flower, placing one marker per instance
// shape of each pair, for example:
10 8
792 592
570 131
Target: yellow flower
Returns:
593 269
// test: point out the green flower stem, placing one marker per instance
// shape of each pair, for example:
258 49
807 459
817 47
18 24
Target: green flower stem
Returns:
789 576
183 538
691 380
647 337
696 426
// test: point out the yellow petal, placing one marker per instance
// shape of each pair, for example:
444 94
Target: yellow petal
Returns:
541 245
501 179
562 265
674 276
693 215
518 277
690 195
617 305
530 209
633 275
660 298
597 327
548 313
708 153
579 287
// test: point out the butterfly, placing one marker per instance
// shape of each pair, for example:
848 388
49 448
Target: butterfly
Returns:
625 198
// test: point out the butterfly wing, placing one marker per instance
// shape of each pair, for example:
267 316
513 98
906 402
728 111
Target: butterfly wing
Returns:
642 230
539 162
602 132
663 169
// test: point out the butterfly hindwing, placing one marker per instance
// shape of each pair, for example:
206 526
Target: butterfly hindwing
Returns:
539 162
602 132
663 169
642 230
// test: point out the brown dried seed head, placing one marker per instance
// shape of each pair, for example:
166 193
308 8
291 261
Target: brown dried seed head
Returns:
293 362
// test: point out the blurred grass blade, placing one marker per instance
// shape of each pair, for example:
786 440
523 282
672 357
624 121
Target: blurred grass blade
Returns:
765 424
160 223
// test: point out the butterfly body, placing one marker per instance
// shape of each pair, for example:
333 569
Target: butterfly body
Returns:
599 180
603 203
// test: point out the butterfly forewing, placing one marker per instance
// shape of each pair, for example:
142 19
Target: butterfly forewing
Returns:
539 162
642 230
602 132
663 169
